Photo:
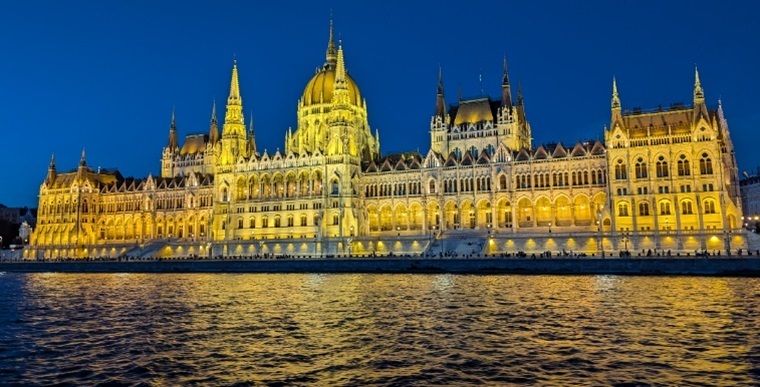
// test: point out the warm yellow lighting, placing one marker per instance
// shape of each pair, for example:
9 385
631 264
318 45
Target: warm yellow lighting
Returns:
329 190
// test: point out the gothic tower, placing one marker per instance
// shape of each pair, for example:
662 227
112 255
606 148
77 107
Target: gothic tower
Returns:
234 141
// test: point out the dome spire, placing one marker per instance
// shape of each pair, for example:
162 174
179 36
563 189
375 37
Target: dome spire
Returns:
331 54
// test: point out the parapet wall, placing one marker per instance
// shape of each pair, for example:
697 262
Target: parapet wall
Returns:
447 245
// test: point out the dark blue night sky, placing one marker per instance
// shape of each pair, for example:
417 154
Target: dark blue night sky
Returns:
105 75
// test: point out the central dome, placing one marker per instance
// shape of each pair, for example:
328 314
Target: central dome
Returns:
321 85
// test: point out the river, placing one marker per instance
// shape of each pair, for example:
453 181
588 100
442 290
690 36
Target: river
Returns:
377 329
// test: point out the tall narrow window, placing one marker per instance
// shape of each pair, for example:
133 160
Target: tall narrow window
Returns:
620 171
686 208
641 168
644 209
705 165
709 207
662 167
664 208
683 166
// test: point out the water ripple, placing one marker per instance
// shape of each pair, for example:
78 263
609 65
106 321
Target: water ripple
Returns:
135 329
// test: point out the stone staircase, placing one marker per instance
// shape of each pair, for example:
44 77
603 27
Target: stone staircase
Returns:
146 250
458 243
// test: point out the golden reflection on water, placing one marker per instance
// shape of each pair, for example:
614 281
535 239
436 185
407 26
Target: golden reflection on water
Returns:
385 329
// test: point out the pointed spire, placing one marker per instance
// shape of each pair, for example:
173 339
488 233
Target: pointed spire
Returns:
700 109
234 112
173 133
616 117
440 100
51 170
440 80
699 93
340 69
506 90
234 97
615 102
83 159
505 75
340 89
251 137
330 55
213 130
520 98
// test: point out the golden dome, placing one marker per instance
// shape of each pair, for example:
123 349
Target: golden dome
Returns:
321 86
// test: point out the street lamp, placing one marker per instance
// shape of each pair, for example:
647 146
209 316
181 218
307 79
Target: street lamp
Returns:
600 242
599 246
727 236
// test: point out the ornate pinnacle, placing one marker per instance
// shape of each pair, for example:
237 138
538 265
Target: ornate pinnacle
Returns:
615 96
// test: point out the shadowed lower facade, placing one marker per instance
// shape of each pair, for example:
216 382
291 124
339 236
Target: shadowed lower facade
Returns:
664 179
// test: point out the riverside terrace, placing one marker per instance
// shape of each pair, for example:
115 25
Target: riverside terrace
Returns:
443 245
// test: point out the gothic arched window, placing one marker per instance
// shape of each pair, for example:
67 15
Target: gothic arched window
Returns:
641 168
662 167
644 209
686 207
620 171
705 165
623 209
683 166
709 207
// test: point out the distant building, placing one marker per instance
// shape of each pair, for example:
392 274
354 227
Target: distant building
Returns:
750 188
663 179
24 232
17 215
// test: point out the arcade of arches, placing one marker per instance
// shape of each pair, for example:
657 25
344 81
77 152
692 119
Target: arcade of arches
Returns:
578 212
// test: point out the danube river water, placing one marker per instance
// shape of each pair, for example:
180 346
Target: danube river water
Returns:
365 329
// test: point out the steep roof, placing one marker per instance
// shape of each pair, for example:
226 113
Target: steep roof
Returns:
194 143
474 111
96 179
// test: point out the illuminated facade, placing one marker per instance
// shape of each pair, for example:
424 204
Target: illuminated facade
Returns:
661 180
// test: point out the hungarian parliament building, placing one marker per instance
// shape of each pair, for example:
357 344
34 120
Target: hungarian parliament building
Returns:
662 180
